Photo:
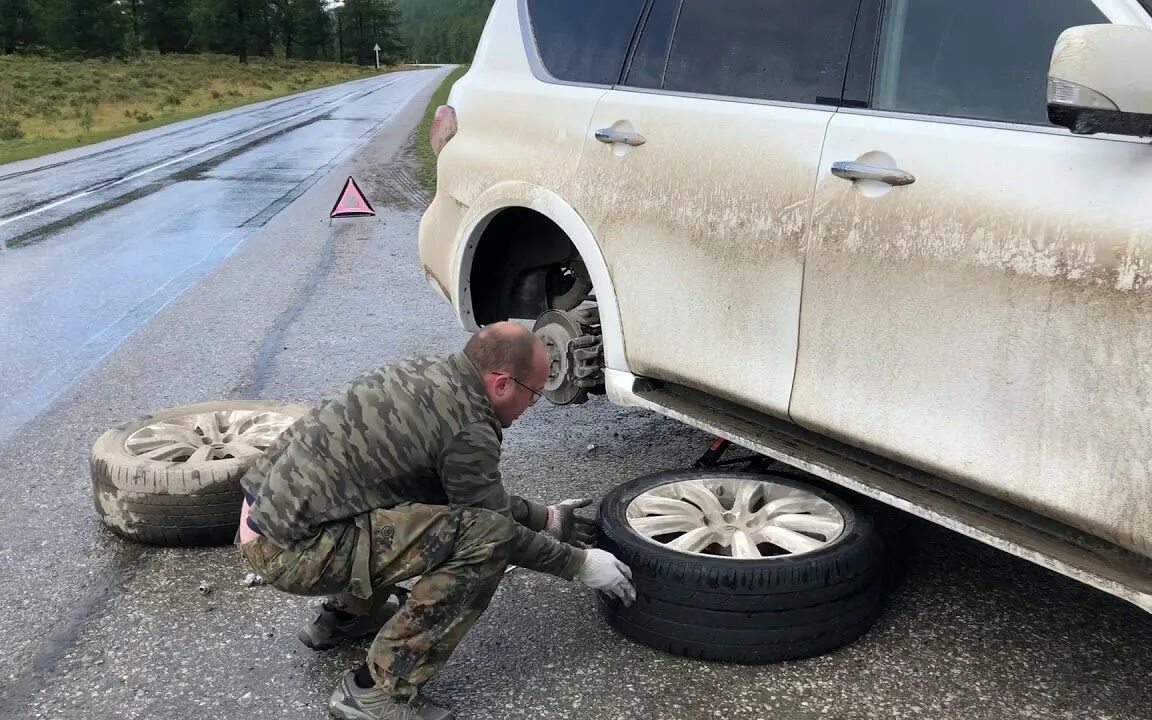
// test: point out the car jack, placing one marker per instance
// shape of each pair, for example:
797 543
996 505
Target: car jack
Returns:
712 458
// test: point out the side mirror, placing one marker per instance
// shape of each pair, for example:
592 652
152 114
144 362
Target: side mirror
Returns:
1099 80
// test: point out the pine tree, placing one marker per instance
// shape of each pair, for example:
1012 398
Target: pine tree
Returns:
213 25
167 25
21 26
442 30
95 28
367 23
314 31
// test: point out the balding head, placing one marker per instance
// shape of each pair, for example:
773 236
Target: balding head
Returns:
504 347
513 364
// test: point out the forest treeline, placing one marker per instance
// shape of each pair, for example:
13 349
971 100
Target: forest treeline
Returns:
348 31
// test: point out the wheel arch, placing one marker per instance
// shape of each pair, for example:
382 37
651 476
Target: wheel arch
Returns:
483 233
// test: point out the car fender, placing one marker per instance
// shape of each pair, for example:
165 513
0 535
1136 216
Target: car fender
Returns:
521 194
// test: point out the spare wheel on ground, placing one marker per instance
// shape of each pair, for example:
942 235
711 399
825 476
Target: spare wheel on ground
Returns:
741 567
173 477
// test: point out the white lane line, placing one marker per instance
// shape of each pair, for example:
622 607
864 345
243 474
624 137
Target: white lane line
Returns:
166 163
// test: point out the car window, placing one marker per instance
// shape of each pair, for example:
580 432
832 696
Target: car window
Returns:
585 41
651 55
787 50
982 59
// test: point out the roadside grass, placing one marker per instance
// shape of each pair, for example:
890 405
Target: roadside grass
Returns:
419 149
48 105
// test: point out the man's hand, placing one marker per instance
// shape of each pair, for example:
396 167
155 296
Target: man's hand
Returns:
602 571
568 527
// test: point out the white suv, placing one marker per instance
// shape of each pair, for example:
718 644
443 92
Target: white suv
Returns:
904 246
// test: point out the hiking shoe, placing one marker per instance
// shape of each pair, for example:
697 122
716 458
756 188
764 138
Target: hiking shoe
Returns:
332 626
351 702
428 710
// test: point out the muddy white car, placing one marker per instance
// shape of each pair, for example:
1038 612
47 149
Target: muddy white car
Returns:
903 246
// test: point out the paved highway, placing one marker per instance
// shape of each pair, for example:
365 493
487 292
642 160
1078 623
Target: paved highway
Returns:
195 290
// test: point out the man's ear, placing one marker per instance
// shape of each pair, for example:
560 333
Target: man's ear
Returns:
499 383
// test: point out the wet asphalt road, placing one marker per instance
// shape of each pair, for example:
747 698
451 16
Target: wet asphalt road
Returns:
95 627
101 238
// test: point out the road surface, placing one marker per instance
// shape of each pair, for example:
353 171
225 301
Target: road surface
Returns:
292 307
101 239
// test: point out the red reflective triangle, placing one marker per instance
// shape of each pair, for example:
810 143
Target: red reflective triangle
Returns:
352 202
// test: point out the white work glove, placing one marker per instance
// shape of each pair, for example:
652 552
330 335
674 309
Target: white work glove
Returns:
602 571
568 527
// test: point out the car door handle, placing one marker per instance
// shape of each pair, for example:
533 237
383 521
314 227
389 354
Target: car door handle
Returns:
617 137
860 171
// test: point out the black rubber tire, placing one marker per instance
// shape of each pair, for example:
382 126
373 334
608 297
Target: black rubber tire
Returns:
748 611
171 503
897 529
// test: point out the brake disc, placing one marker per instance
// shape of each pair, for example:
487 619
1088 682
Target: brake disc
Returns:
574 355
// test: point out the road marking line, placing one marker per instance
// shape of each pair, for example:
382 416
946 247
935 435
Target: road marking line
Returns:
154 168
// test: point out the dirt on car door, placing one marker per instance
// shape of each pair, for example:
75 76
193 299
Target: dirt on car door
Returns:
697 181
988 321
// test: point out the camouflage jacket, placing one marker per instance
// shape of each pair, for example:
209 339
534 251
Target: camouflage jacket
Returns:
421 431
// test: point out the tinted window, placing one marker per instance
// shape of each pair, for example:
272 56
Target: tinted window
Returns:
584 41
791 50
647 68
985 59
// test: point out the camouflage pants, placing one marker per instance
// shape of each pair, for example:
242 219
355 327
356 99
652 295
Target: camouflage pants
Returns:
460 554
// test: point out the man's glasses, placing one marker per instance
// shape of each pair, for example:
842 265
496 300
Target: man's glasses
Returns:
536 395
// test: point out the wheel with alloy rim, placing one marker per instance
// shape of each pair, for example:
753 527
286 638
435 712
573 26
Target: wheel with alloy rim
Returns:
173 477
741 567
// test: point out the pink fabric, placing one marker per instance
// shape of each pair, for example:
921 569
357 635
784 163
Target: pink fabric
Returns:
247 535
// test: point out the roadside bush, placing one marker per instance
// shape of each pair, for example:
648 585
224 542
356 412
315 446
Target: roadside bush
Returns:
48 109
86 119
10 129
58 96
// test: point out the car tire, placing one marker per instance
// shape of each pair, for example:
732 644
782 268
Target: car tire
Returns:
712 606
150 485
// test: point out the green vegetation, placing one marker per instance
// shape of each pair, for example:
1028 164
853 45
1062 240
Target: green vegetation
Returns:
420 149
80 71
442 30
49 105
293 29
345 31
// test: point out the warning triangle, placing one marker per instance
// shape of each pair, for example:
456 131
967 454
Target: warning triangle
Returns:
352 202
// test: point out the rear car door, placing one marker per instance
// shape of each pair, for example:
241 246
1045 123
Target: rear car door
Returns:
530 128
977 299
697 178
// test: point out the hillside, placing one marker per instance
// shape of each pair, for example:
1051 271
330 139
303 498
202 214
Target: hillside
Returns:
48 105
442 30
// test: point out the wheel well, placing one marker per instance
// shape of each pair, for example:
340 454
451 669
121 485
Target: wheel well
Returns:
524 265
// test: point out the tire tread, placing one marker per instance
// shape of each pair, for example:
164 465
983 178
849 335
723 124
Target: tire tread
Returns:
720 608
171 504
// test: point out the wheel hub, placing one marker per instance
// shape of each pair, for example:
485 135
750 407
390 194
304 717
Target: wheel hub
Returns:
575 356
